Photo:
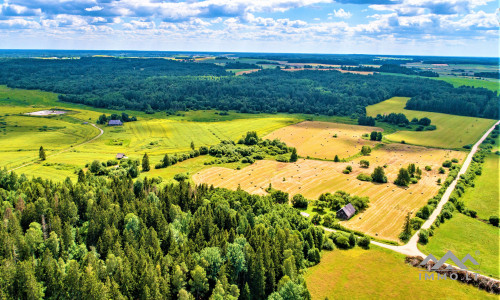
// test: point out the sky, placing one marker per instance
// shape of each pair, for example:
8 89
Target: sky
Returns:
399 27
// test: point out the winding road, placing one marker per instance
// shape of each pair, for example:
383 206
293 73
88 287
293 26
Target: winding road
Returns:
101 132
411 248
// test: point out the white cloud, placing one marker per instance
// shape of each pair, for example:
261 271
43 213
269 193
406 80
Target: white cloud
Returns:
341 13
94 8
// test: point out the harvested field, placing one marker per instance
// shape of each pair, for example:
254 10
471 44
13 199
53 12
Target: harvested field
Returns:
388 203
315 139
246 72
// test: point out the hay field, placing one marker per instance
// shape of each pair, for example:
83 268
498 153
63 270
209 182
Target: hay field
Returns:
379 273
315 139
389 204
452 131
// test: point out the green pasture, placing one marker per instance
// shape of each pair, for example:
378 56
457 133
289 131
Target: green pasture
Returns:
379 273
462 235
484 196
490 84
452 131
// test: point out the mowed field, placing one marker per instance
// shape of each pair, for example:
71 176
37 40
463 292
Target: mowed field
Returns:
379 273
316 139
484 197
464 235
154 134
389 204
452 131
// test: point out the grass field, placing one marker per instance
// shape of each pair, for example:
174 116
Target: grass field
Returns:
316 139
379 273
484 196
452 131
459 81
463 235
388 203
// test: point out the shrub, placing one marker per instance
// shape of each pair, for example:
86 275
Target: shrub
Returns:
494 220
416 223
366 150
282 158
455 160
364 163
342 242
447 163
313 255
428 168
346 171
441 170
180 177
328 245
299 201
364 242
349 168
413 180
423 237
364 177
316 219
352 240
279 197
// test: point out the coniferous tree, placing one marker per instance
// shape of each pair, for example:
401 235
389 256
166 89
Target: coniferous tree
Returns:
145 163
41 153
293 156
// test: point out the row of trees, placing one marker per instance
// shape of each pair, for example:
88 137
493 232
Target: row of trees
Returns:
163 85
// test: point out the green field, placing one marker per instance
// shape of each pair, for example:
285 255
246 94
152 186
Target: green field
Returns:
452 131
462 234
484 196
379 273
459 81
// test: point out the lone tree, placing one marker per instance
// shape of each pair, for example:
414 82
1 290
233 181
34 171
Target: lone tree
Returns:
336 159
373 136
406 234
364 163
293 157
403 177
145 163
41 153
166 161
366 150
192 145
378 175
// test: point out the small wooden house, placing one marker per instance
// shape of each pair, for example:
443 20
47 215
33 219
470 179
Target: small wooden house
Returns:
346 212
121 156
115 123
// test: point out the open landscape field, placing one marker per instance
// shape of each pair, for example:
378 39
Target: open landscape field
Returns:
379 274
389 204
484 196
452 131
464 235
324 140
490 84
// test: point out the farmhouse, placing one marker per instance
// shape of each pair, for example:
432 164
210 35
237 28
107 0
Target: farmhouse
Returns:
121 156
115 123
346 212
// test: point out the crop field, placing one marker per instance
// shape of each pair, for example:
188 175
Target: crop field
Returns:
452 131
379 273
462 235
389 204
484 196
316 139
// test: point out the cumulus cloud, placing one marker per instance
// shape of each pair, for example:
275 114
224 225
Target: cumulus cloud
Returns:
341 13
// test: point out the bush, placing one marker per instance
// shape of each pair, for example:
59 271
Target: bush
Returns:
346 171
282 158
423 237
428 168
279 197
313 255
494 220
364 242
366 150
441 170
342 242
316 219
299 201
349 168
364 163
455 160
447 163
416 223
413 180
364 177
328 245
180 177
352 240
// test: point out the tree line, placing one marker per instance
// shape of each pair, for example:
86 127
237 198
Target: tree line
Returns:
162 85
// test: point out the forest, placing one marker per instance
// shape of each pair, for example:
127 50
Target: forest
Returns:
113 238
164 85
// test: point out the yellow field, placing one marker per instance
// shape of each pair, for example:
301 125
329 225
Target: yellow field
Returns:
315 139
452 131
389 204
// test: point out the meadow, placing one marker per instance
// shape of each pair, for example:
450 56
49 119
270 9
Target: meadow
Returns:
379 273
492 84
453 132
389 204
462 235
484 196
324 140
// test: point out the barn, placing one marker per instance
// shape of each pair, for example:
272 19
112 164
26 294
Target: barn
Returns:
346 212
115 123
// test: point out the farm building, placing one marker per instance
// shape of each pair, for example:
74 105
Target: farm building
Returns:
346 212
121 156
115 123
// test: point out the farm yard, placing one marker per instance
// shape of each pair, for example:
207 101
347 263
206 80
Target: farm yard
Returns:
379 273
389 204
452 131
324 140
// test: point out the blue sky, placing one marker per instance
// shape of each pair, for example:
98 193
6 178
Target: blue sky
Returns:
419 27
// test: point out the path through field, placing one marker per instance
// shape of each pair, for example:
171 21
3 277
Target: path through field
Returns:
101 132
411 247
